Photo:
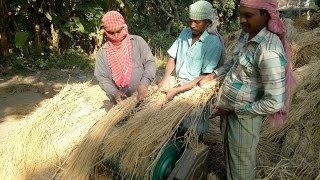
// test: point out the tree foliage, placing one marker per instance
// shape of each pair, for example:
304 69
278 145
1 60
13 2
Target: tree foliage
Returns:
29 28
228 12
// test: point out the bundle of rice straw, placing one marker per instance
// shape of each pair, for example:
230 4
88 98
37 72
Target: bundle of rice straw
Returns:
295 146
119 140
304 49
230 41
80 164
303 103
49 134
288 169
140 140
138 144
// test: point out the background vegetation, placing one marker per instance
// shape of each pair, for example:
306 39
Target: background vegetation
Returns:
43 34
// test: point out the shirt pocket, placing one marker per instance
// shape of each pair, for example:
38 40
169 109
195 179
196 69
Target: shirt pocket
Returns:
247 67
195 67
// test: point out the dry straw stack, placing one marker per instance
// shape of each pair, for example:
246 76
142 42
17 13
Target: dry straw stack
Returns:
292 151
304 47
295 146
141 149
82 160
137 144
49 134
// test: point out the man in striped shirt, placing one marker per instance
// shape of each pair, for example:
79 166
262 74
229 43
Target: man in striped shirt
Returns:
255 85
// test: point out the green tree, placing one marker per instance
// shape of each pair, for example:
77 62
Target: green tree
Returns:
228 11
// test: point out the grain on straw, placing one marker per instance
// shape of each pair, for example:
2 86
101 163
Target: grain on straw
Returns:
302 123
304 49
287 169
82 160
147 132
49 134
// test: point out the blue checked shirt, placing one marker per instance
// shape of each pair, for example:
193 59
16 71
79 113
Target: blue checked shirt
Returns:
255 77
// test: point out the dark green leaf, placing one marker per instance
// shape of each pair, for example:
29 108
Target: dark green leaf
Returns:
21 38
79 25
66 32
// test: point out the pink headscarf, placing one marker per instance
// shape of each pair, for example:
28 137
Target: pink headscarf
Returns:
276 26
118 48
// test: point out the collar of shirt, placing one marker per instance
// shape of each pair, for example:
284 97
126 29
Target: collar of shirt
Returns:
255 41
201 39
260 36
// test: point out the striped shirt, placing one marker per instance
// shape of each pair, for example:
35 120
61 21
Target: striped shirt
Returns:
255 77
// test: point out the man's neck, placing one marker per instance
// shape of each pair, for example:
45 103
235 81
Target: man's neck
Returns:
252 35
195 38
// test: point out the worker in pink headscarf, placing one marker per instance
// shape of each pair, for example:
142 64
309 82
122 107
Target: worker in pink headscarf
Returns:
124 64
256 85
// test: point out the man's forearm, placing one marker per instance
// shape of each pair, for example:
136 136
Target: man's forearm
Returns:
171 64
189 85
223 70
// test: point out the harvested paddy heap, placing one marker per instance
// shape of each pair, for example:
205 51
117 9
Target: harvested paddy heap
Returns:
69 136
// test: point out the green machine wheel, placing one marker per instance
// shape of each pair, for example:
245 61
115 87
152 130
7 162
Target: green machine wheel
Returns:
170 155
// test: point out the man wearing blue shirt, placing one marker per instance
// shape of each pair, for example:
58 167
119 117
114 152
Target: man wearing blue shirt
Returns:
196 52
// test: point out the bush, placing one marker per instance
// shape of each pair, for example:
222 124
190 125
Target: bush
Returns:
71 59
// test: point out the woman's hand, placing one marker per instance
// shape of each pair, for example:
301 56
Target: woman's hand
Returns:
142 92
120 96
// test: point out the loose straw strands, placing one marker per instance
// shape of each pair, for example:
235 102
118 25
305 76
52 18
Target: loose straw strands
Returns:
288 169
49 134
304 49
139 152
121 139
82 160
303 102
298 140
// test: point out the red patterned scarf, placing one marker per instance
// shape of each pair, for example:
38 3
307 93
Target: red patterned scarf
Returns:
276 26
118 48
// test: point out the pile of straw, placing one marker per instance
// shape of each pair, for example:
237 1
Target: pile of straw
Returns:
137 144
80 164
230 41
295 152
305 47
49 134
